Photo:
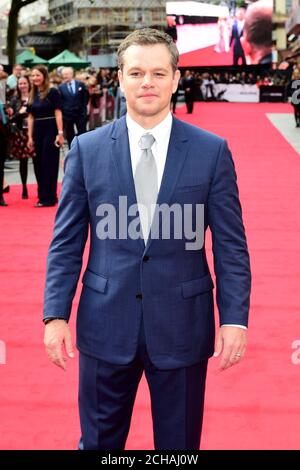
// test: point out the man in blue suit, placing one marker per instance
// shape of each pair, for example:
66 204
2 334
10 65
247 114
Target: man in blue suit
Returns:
236 35
147 300
74 104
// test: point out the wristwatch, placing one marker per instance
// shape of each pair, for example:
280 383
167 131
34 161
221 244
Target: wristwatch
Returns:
60 132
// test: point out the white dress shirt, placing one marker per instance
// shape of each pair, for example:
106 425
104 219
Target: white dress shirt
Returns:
161 134
240 26
72 85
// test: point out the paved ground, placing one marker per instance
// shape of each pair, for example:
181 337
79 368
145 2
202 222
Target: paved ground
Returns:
285 124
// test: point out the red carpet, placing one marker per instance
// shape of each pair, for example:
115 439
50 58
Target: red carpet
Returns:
196 44
205 56
252 406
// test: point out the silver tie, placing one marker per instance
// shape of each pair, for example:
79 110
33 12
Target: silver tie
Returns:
146 183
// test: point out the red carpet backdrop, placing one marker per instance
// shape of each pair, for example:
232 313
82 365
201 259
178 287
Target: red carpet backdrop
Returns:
252 406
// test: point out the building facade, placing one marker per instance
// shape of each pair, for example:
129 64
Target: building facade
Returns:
95 28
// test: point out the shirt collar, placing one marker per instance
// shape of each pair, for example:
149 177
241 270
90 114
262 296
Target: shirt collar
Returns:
160 132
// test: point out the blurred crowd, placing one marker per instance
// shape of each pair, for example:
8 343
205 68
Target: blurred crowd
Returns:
202 80
40 109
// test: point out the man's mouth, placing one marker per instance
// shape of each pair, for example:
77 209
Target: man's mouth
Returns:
148 95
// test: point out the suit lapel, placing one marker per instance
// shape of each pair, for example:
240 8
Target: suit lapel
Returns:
120 154
174 162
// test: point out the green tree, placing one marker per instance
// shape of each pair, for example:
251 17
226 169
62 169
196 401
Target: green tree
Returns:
12 29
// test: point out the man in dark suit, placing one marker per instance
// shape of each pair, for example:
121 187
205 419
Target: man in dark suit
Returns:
147 299
74 104
236 34
188 85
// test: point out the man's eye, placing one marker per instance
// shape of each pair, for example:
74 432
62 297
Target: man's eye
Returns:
158 74
135 74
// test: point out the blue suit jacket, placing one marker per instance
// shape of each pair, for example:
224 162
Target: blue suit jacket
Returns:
74 105
236 37
169 285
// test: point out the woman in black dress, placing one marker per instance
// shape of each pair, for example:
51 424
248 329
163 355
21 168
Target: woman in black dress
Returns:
45 134
19 130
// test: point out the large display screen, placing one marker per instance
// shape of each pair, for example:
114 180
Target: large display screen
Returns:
219 33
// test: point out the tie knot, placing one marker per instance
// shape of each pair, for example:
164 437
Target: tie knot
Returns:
146 141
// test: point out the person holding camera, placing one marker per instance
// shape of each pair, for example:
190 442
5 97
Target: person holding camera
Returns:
45 133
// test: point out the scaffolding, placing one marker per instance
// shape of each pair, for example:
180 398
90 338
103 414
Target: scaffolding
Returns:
98 26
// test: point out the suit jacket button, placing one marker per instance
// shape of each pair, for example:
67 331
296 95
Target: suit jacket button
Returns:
138 296
146 258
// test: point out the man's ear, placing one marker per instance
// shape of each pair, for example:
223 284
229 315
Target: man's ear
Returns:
120 77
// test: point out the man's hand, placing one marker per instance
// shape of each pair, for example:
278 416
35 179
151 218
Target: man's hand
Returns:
57 335
231 343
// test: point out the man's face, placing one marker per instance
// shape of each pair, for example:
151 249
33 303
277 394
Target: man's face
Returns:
67 75
147 80
241 14
18 70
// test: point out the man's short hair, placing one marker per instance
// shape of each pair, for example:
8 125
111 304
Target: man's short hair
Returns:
258 24
148 37
67 68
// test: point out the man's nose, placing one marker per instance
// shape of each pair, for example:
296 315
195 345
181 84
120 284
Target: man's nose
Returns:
147 82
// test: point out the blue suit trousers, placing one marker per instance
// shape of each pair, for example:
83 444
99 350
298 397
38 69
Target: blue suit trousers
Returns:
107 393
